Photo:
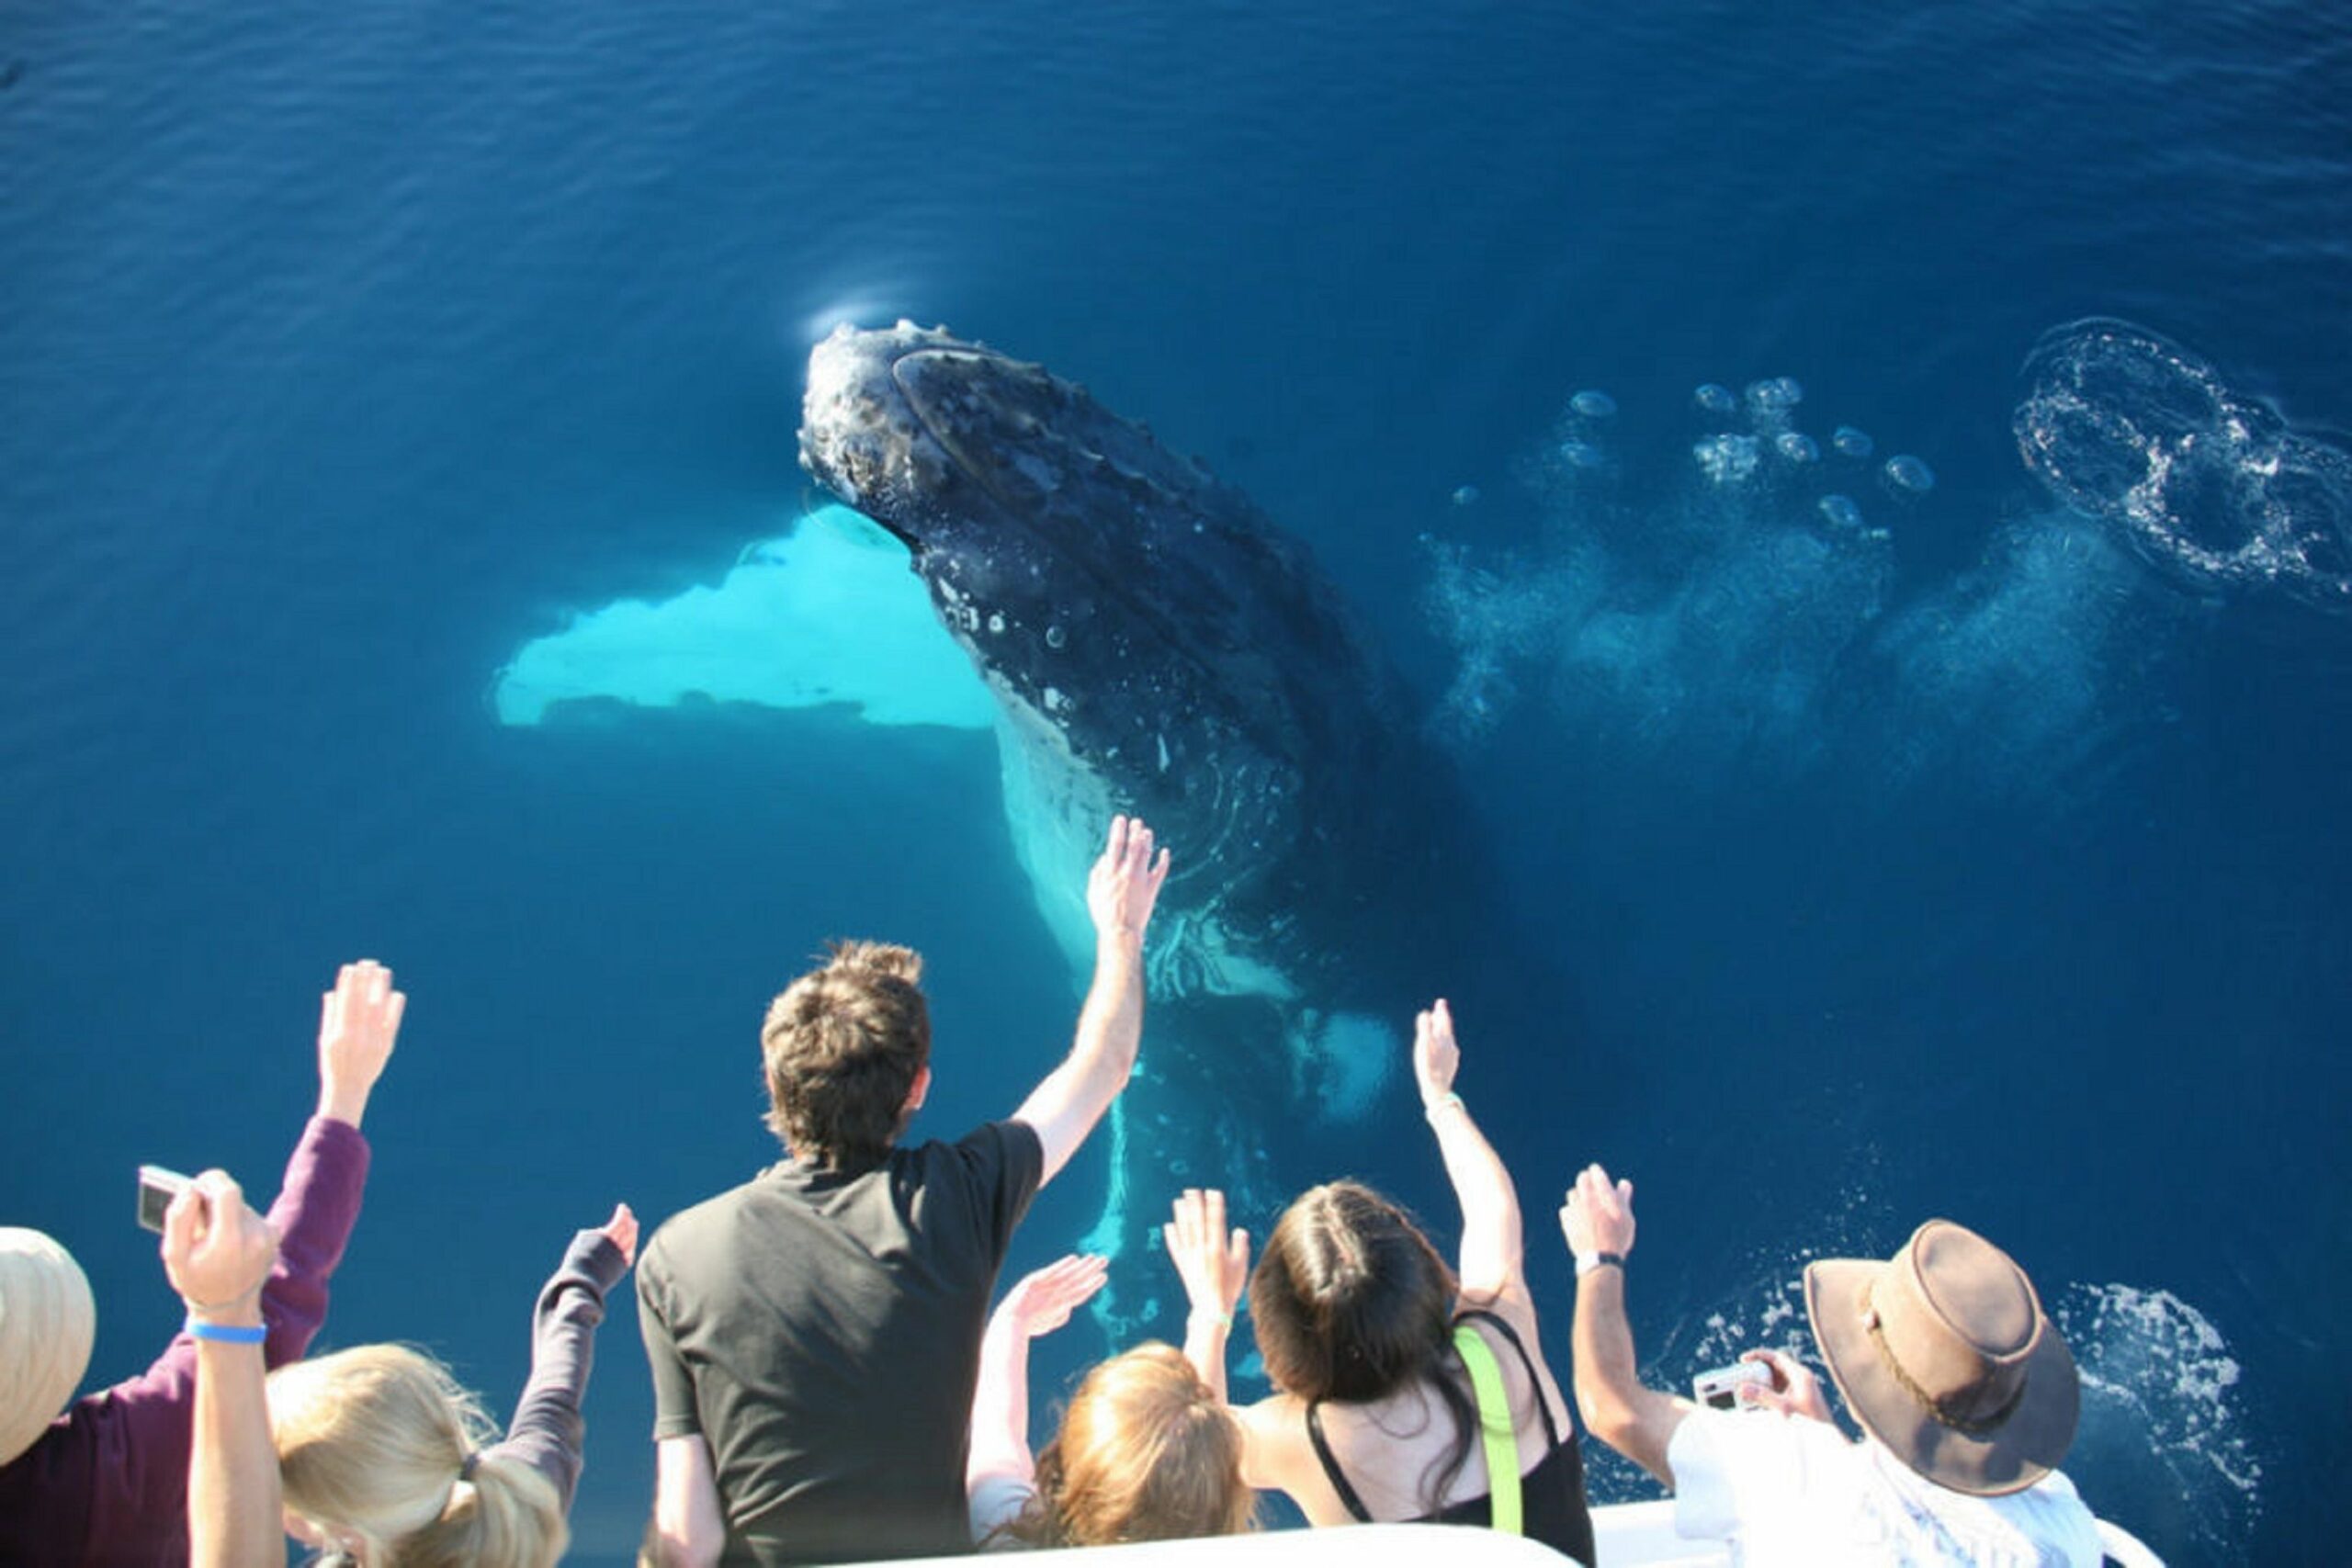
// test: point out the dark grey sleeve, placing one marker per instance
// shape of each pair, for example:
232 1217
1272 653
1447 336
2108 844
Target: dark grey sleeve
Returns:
547 1426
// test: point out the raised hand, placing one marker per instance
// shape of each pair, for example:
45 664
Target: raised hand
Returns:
1125 882
217 1251
1044 1300
1213 1262
1598 1216
621 1231
359 1021
1436 1058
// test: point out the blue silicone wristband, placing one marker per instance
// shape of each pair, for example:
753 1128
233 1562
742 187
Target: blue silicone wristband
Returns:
226 1332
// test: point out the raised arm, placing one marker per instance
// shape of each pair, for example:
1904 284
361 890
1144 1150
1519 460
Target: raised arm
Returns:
317 1204
1001 1473
1638 1422
1214 1263
548 1428
359 1020
1493 1243
217 1252
1119 892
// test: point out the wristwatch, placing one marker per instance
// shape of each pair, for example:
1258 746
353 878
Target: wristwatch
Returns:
1588 1261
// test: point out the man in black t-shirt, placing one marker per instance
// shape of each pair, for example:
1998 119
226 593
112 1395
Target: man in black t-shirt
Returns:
815 1333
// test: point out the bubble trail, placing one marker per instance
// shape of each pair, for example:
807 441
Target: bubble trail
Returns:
1594 405
1726 460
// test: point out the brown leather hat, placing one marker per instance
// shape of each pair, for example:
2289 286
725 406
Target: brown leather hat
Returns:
1945 1356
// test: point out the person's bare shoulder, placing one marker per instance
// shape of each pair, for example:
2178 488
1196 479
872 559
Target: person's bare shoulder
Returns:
1274 1439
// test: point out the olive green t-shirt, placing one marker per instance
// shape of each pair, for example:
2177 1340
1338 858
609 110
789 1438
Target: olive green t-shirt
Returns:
821 1331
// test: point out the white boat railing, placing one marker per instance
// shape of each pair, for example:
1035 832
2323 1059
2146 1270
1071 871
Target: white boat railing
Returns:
1626 1535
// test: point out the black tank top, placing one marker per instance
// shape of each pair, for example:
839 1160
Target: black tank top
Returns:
1552 1503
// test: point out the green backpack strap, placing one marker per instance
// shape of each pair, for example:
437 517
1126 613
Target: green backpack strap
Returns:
1493 1426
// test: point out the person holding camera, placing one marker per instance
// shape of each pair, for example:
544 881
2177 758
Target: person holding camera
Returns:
218 1254
1964 1390
106 1481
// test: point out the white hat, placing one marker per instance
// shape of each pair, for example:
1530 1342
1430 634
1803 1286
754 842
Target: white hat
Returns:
47 1320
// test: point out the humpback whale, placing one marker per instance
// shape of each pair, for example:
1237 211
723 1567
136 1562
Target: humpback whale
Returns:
1156 645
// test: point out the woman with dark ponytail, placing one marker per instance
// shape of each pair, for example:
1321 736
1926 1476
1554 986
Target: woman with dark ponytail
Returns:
1407 1393
385 1460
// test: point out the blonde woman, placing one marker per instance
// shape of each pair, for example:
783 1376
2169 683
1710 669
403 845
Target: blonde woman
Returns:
385 1459
1147 1449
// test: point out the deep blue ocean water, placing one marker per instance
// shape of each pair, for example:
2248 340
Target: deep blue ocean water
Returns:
1981 869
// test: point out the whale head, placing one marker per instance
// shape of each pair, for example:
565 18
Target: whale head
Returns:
1135 615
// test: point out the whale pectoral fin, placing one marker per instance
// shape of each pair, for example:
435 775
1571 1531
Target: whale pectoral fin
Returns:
827 615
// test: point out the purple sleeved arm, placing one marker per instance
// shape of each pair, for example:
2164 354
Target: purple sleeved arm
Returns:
313 1216
548 1429
108 1481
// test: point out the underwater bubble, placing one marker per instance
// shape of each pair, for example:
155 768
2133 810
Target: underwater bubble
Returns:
996 623
1715 398
1797 446
1908 473
1727 460
1583 455
1853 442
1465 495
1842 511
1775 392
1593 405
1056 637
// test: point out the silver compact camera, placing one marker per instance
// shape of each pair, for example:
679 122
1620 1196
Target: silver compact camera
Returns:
157 1188
1718 1388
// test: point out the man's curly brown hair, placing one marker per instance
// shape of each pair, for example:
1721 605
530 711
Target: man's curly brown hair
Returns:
844 1047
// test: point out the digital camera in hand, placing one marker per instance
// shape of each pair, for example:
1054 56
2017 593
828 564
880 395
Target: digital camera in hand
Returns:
157 1188
1718 1388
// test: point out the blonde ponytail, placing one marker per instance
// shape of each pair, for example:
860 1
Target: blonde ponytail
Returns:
374 1444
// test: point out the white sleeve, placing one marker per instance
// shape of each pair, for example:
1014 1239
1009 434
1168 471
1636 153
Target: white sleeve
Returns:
1735 1468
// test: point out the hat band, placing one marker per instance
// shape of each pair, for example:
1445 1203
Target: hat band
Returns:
1980 1426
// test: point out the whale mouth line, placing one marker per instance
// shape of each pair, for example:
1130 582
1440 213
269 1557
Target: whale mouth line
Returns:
930 413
